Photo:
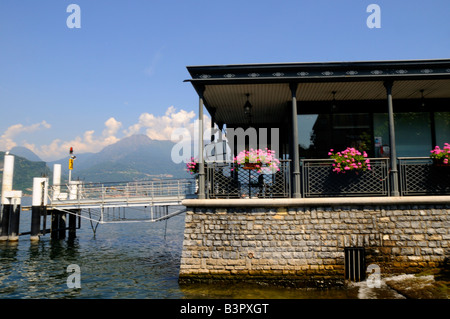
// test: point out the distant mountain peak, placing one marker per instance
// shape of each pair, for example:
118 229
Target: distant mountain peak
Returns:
25 153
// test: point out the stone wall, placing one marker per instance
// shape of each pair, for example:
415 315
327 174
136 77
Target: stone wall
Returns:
304 246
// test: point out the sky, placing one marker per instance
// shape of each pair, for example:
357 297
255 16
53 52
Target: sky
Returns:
90 76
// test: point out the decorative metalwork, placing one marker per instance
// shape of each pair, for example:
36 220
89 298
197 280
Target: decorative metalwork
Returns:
229 75
327 73
278 74
376 72
352 72
419 176
303 73
319 180
229 181
253 75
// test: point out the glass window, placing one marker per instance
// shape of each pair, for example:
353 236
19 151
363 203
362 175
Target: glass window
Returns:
318 133
412 134
313 135
442 124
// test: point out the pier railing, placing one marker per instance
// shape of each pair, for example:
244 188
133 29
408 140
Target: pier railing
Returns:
103 193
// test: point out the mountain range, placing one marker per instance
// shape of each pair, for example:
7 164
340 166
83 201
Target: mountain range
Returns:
132 158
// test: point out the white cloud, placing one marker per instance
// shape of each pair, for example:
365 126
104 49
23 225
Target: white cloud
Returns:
155 127
88 142
7 139
161 127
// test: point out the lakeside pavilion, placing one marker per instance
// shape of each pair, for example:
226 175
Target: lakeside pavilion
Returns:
396 111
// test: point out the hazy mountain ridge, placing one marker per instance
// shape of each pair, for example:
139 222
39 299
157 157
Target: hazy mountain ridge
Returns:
133 158
24 172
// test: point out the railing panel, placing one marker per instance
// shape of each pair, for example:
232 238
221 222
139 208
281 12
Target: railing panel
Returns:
420 176
229 181
130 190
319 180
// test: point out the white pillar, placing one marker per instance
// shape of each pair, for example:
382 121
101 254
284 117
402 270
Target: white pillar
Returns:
8 173
40 191
56 181
6 201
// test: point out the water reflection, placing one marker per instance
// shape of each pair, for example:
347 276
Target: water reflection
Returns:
139 260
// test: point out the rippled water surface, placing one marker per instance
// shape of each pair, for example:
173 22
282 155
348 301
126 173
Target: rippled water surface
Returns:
133 260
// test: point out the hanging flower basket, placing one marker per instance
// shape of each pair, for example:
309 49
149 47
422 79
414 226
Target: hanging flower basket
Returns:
264 161
192 166
349 160
441 156
251 166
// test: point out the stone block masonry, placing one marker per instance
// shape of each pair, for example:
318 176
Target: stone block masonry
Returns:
304 246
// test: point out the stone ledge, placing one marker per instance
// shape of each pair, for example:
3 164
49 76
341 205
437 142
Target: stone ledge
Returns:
328 201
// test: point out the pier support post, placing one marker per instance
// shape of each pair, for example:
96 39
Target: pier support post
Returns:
62 218
7 182
73 223
39 201
14 217
58 226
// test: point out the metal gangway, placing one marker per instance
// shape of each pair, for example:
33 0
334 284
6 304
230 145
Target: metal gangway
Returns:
121 202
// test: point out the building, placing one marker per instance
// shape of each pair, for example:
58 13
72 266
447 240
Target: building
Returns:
396 111
323 106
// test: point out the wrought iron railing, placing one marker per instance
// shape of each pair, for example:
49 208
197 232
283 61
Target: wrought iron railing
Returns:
231 181
420 176
319 180
417 176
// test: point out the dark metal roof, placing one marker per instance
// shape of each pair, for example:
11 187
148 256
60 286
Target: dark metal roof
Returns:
326 71
226 86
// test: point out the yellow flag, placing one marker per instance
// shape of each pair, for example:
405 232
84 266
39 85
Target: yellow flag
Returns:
71 164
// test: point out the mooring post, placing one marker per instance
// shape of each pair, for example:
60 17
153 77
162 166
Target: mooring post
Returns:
56 181
54 224
39 201
73 223
14 217
7 182
62 224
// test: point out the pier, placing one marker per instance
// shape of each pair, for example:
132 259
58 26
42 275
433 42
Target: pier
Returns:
101 203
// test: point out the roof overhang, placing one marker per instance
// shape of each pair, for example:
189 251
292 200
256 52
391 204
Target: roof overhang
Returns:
225 87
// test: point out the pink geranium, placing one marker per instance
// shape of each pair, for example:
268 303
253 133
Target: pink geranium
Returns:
349 159
442 155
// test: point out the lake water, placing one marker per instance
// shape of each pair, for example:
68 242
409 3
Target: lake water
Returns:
126 261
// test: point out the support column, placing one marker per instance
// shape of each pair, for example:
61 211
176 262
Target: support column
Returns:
73 223
7 183
37 206
62 224
393 151
14 217
56 181
201 165
296 193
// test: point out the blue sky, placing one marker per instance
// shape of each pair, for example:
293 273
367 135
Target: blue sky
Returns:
122 72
